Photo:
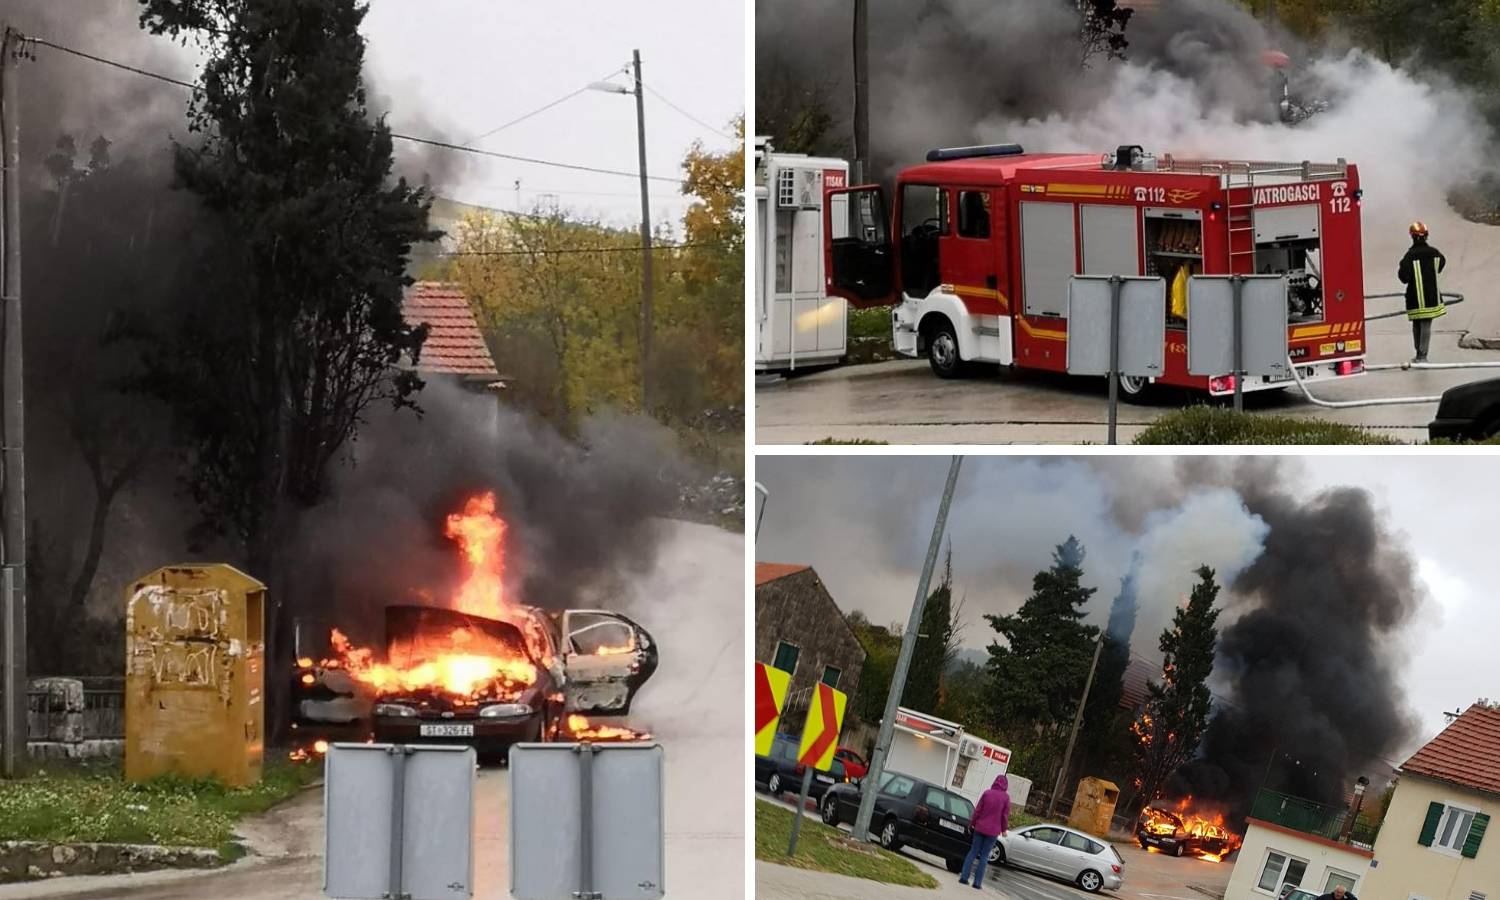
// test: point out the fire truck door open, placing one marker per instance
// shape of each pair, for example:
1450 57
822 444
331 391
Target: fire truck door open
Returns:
860 264
606 658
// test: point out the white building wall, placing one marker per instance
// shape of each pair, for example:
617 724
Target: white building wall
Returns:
1321 857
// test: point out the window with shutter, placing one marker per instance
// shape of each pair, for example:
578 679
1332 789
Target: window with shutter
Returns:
1429 826
1476 834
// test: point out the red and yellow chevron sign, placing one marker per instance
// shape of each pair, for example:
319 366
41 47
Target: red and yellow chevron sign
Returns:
770 698
820 736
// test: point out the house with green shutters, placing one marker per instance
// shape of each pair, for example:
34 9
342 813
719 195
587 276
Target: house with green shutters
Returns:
1432 844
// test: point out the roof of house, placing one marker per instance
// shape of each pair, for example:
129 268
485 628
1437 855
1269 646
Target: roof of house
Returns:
454 343
765 572
1465 753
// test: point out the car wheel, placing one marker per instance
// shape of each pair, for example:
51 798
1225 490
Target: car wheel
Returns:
1487 428
1134 388
890 838
1177 851
773 784
997 855
942 351
830 810
1090 881
954 864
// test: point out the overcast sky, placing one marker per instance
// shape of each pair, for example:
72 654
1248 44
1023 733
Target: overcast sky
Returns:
463 67
864 525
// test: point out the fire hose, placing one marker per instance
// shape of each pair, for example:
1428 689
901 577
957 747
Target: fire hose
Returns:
1390 401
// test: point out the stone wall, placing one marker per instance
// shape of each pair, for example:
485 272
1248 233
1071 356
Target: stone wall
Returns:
31 860
61 724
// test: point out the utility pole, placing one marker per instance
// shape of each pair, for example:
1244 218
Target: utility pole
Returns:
640 118
861 92
1077 720
871 783
12 429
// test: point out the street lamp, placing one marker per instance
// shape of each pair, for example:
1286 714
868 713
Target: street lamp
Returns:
640 118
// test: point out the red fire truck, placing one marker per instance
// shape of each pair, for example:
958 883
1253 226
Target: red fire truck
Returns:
987 238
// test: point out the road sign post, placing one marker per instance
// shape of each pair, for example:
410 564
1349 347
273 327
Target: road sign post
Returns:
770 697
587 822
1237 324
1117 326
820 737
399 822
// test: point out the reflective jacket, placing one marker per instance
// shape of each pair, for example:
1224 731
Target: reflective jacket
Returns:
1418 271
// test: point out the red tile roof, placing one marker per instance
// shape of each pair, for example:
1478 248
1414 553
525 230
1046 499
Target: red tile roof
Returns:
765 572
454 344
1466 753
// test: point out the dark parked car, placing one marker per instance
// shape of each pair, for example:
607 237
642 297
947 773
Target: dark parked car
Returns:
1469 412
781 773
572 674
911 811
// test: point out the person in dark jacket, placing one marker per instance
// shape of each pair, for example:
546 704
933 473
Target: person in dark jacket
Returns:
1338 893
1419 271
991 819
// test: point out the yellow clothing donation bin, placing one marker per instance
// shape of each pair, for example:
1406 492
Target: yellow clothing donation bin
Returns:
1094 806
195 674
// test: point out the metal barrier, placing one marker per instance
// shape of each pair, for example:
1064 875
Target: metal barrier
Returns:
100 717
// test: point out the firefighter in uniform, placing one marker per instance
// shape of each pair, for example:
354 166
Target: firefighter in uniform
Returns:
1418 271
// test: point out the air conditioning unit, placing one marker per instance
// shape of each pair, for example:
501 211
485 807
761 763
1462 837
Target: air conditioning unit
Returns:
799 189
970 748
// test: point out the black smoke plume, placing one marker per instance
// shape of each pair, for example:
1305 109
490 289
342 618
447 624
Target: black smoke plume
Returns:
1312 662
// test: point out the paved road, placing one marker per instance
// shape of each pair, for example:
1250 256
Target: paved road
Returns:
1148 876
901 402
692 600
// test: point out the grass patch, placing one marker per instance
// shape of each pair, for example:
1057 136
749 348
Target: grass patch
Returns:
1020 818
824 849
828 441
874 322
73 803
1216 425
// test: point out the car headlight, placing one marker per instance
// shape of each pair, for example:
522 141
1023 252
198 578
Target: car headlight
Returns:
505 711
399 710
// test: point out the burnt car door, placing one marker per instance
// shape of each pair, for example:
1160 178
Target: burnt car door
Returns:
606 658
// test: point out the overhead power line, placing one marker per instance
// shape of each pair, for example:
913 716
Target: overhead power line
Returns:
536 112
565 250
658 95
431 142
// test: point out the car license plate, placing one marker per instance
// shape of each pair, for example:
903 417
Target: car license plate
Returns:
447 730
826 779
951 826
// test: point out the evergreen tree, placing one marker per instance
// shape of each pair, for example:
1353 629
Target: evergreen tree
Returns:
934 648
1177 708
882 646
1038 674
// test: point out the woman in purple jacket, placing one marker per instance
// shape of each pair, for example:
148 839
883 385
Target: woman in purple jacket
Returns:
991 819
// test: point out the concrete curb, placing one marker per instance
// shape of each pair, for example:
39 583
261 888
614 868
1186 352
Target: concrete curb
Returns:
32 860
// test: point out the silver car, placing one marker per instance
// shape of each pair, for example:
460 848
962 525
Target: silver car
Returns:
1064 853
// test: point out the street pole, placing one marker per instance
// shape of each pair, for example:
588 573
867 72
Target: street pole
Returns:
1116 284
871 782
1238 293
861 92
640 119
12 424
1077 719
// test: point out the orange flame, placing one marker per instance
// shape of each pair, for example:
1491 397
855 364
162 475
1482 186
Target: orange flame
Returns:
480 535
581 728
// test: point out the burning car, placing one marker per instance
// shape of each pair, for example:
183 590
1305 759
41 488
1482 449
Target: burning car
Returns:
483 669
1184 834
491 683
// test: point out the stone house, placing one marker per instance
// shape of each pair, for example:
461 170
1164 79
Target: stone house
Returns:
801 630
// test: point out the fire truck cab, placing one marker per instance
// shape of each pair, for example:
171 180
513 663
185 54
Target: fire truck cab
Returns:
797 323
976 254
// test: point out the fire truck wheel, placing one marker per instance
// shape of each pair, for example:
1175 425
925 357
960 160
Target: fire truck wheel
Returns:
1133 388
942 350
